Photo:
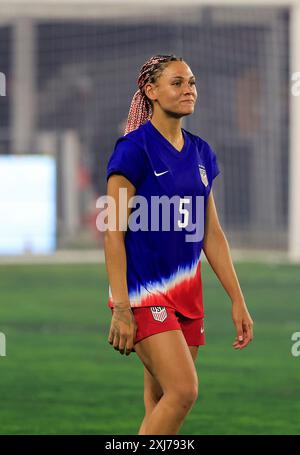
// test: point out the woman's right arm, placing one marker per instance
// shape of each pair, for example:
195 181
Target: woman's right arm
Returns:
123 325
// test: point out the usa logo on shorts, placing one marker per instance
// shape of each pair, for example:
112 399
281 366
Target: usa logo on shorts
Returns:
159 313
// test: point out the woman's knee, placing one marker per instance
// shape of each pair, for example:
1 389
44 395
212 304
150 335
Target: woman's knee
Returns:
184 394
165 357
180 398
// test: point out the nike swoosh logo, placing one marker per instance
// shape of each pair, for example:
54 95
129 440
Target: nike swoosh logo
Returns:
160 173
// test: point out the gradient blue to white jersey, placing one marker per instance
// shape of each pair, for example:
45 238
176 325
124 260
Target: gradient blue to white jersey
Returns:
163 268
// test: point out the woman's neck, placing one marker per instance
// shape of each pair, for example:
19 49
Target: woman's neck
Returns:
169 128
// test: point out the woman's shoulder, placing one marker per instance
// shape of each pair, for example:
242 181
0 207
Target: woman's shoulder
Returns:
132 140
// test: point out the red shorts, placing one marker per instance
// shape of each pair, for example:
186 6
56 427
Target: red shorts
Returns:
152 320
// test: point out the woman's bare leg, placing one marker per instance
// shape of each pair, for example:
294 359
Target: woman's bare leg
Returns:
168 358
153 391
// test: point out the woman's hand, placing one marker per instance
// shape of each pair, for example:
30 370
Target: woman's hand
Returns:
122 330
243 323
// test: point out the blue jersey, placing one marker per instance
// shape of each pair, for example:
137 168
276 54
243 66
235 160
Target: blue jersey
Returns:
163 268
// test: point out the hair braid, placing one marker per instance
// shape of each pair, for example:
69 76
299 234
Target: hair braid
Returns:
141 107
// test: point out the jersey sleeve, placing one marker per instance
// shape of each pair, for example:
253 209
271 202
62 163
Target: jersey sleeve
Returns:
128 160
214 163
211 162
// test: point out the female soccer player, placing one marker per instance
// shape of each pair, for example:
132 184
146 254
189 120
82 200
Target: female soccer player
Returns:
155 288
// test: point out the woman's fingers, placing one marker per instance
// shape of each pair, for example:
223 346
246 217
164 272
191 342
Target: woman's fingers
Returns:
113 338
122 344
240 344
244 331
110 336
248 333
239 331
250 329
129 346
116 341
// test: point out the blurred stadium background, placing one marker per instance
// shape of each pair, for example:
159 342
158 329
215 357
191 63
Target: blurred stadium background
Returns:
70 70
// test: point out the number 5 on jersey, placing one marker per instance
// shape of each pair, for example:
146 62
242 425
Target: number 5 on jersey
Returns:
184 212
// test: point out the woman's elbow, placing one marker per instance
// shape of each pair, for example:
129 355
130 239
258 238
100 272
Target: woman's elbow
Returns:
213 237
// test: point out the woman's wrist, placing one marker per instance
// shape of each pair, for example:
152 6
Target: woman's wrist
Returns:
118 310
238 301
122 305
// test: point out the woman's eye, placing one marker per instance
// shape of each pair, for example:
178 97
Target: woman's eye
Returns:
193 83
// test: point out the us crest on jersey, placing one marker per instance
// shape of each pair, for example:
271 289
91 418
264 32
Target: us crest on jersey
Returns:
203 175
159 313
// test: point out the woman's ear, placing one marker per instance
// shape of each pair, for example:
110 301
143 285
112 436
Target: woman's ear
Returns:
150 91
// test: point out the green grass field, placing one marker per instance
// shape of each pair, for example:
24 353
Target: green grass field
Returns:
60 375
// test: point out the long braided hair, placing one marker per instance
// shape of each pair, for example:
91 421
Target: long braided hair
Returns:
141 107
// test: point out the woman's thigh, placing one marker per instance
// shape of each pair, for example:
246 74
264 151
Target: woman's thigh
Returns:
168 359
152 389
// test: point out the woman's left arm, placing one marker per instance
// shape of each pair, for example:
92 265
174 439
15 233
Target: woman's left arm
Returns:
217 252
